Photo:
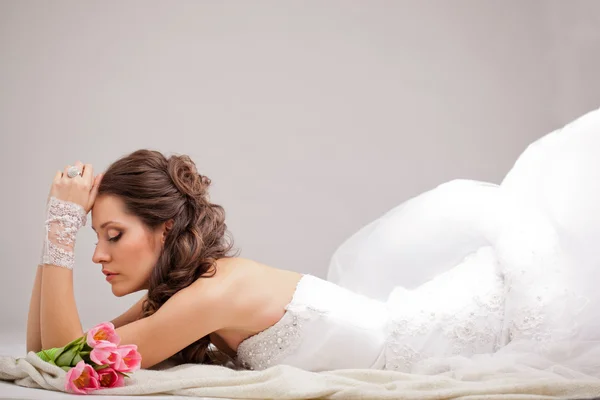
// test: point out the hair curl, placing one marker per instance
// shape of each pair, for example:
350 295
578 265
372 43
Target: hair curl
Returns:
157 189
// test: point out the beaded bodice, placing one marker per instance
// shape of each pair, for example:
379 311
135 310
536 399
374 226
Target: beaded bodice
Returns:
265 348
324 327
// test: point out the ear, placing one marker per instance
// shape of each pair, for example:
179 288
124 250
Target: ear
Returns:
167 226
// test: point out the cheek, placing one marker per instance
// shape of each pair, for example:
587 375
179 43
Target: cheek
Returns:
139 248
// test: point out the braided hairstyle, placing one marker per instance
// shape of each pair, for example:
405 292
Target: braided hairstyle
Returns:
157 189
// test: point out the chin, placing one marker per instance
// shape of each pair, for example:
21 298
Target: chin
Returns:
119 291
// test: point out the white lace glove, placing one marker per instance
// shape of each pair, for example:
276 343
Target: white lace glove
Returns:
63 220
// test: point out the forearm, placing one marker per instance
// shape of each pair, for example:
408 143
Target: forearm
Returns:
34 334
59 318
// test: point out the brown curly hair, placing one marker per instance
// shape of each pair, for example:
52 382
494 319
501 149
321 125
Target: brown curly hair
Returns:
157 189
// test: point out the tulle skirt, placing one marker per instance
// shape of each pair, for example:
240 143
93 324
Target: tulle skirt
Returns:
542 224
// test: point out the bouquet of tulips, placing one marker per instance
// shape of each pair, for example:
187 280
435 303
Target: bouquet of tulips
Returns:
94 360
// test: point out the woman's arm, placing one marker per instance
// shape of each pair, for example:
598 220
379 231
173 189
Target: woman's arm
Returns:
59 319
34 334
187 316
70 200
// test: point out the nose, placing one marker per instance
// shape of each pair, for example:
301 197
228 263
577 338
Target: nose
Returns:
100 256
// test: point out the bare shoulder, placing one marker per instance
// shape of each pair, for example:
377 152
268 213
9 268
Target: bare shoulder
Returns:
228 278
240 283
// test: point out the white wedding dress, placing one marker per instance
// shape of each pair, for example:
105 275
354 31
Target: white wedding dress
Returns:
467 278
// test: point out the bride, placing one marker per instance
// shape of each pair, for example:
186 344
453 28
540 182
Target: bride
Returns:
465 277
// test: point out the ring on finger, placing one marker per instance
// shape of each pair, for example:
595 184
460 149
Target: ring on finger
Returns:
73 171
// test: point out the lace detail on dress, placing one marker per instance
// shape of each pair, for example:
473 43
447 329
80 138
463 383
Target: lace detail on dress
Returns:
477 329
553 316
443 319
527 322
466 333
63 221
542 305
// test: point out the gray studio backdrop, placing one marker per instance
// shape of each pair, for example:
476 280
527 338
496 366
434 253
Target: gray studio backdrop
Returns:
311 117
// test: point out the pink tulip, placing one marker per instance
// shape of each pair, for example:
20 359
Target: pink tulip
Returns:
102 332
105 353
82 379
108 378
129 359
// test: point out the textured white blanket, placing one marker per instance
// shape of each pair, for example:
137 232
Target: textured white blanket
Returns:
284 382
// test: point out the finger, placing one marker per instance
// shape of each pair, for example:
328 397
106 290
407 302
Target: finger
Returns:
55 180
94 191
88 174
79 166
57 176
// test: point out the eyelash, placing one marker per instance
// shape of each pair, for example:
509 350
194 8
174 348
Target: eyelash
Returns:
114 239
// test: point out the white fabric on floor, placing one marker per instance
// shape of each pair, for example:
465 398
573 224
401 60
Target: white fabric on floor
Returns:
285 382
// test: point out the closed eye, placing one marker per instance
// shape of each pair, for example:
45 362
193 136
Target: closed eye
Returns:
113 239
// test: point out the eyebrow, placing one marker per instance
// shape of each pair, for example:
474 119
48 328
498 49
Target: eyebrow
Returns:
103 225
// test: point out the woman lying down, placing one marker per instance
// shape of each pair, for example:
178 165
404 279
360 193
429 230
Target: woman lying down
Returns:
464 272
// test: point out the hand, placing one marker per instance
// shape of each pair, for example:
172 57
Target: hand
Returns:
81 189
